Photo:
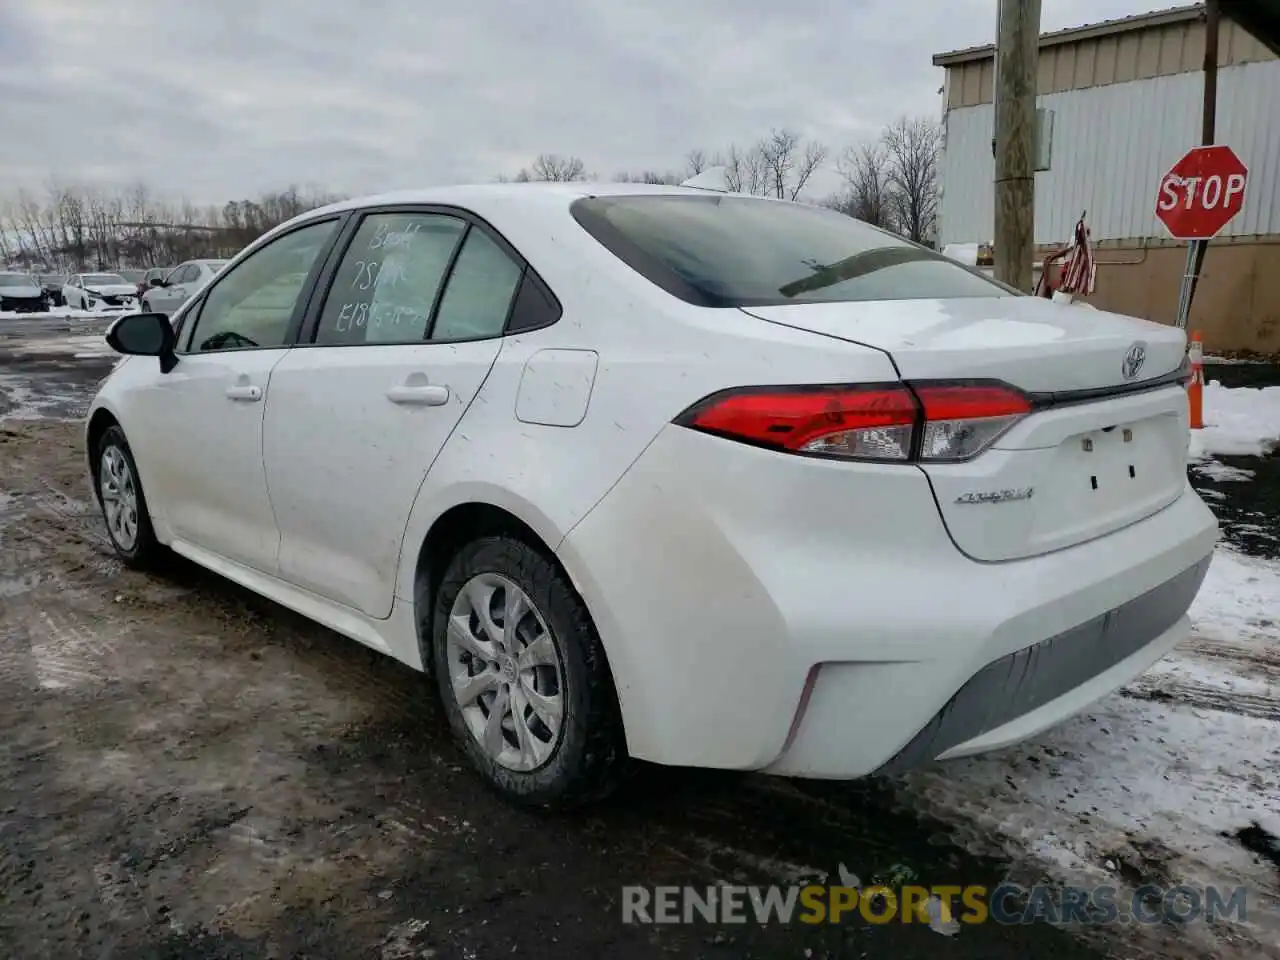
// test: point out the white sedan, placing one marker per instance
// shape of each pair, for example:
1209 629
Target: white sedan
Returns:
652 472
100 292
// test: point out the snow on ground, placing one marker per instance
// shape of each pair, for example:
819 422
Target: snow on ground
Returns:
61 313
1153 783
81 347
1239 421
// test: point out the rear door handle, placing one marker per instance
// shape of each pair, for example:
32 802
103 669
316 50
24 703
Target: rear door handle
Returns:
245 392
422 395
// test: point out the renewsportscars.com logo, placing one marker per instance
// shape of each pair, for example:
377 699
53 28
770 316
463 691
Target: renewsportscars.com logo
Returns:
944 908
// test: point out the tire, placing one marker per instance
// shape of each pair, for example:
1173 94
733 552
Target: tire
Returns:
585 758
134 543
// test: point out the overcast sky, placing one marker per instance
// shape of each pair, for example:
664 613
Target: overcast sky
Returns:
227 98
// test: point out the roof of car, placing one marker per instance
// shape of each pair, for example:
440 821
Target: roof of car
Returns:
557 194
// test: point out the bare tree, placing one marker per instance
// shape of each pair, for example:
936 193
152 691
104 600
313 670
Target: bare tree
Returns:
912 147
553 167
787 167
744 170
695 161
651 176
79 227
865 173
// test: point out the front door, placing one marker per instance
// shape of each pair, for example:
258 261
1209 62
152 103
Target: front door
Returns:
208 409
408 332
169 298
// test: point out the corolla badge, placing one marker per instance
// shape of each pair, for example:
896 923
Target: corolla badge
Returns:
997 496
1133 360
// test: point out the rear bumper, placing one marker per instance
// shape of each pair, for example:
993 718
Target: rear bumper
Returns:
1037 687
807 618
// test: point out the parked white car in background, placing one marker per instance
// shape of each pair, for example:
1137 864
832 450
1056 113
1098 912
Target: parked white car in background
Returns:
99 291
182 282
702 479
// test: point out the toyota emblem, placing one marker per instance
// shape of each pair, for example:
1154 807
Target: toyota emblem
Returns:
1133 360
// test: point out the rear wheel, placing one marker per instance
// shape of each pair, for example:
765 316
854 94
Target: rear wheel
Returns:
124 506
523 677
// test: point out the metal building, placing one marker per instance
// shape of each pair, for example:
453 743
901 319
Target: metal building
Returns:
1124 99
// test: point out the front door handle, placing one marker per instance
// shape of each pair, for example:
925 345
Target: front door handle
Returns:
422 395
247 392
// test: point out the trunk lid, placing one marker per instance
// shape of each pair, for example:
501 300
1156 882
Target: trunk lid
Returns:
1099 453
1032 343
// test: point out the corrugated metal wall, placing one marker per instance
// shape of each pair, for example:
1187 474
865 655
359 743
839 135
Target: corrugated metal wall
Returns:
1111 146
1120 57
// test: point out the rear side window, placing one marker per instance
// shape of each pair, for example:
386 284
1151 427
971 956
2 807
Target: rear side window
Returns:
735 251
478 298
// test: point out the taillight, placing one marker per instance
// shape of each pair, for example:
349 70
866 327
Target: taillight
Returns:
962 420
895 422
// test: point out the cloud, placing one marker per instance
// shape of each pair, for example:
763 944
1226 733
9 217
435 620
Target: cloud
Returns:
218 100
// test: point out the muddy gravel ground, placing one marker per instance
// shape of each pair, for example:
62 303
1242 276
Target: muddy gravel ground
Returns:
189 771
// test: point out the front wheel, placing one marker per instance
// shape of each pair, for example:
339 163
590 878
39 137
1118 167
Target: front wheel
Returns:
124 506
523 677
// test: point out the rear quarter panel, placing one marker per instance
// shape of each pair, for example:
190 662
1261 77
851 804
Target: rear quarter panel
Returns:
657 356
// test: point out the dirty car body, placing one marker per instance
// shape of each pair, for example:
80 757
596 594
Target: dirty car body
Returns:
661 473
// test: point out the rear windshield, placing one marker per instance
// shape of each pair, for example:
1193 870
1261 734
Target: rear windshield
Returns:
736 251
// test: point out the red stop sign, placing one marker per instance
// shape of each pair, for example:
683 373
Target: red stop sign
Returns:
1203 191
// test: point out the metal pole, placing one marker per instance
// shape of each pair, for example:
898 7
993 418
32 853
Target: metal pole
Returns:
1187 289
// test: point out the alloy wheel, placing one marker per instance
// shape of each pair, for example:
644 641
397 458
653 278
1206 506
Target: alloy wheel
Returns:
119 492
505 672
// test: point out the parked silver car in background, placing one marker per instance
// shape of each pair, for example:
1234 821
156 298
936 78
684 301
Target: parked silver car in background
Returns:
182 283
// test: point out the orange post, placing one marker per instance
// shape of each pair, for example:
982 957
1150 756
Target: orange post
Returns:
1195 389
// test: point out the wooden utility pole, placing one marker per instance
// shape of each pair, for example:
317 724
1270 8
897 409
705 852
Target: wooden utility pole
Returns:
1017 69
1208 133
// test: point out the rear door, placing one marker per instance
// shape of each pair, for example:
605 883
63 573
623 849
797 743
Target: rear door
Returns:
401 344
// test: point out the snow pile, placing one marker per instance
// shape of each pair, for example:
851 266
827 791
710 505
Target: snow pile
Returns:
1239 421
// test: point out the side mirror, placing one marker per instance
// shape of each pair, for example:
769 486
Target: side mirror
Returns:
144 335
156 282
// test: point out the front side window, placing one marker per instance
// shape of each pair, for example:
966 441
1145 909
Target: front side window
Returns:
252 305
386 286
736 251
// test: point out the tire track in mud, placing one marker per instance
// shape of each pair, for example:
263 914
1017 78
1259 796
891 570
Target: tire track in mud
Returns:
1188 693
1248 659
